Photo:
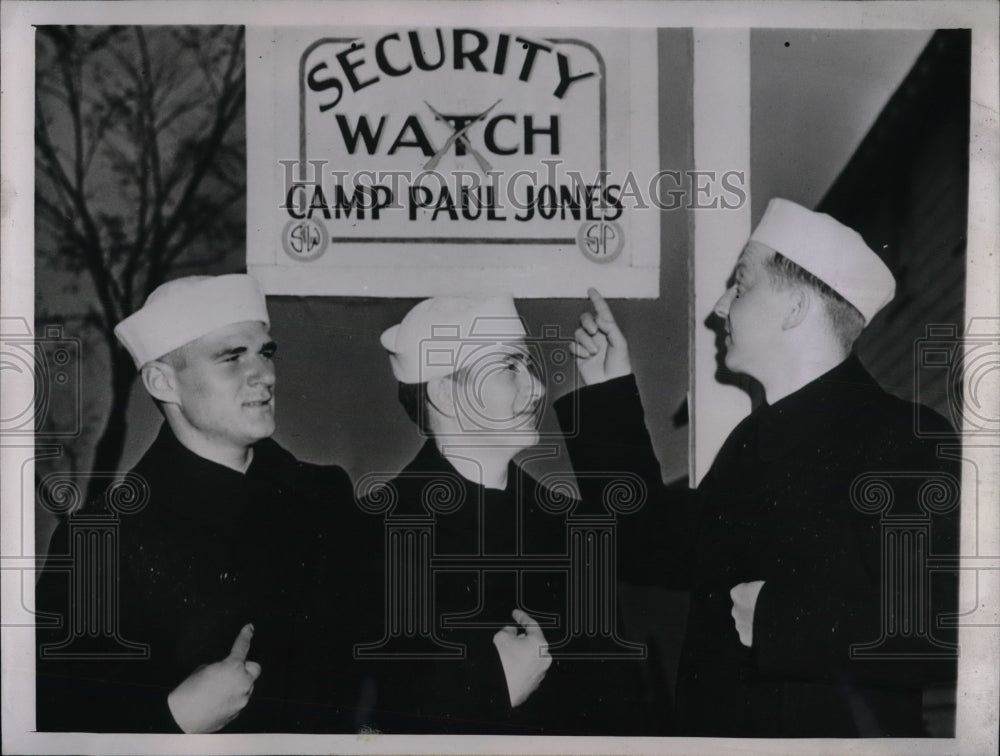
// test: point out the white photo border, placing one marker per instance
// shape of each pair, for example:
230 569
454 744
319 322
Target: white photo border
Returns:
977 700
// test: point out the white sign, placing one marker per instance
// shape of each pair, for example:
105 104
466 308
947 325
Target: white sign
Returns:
426 160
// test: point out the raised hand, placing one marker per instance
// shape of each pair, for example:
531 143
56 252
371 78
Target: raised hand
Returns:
525 658
213 695
600 347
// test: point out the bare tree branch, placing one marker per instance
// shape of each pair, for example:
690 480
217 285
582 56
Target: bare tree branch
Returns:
139 170
195 230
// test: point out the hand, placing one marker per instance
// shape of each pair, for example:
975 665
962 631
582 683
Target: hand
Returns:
212 695
525 658
744 598
600 347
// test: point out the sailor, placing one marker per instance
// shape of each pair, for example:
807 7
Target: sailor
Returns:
229 574
468 377
792 586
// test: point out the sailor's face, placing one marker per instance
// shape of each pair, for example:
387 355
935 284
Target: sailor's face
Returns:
225 384
752 311
501 390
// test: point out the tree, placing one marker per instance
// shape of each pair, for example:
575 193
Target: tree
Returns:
140 176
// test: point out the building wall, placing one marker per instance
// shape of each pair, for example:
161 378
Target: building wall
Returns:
906 192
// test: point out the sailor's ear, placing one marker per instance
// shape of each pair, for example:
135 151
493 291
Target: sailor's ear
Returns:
799 301
160 381
441 394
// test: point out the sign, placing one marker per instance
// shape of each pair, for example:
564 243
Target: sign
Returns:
414 161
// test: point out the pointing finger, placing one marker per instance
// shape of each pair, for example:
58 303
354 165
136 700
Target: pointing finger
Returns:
601 308
605 319
241 647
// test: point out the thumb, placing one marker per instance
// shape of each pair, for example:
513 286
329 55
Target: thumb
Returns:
506 630
253 669
241 647
528 623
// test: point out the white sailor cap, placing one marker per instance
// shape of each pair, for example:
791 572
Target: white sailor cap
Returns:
441 335
834 253
185 309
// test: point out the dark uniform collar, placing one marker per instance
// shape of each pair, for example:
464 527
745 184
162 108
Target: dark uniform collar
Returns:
181 461
214 489
817 414
430 479
266 452
430 459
